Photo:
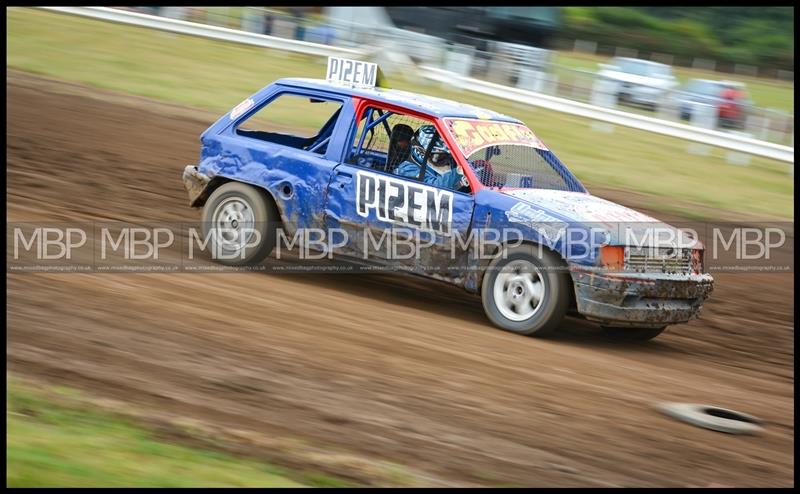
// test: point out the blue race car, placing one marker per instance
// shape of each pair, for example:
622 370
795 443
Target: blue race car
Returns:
477 197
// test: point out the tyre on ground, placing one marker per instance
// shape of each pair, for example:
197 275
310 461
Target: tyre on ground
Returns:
527 290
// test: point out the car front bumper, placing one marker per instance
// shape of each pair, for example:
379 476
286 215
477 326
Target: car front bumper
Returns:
640 299
642 95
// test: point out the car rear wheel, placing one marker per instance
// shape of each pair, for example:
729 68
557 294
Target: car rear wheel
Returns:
632 334
241 223
527 292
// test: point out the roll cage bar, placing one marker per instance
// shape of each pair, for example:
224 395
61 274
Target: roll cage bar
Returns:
373 122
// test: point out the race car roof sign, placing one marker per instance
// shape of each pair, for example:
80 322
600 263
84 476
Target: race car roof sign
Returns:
472 135
353 73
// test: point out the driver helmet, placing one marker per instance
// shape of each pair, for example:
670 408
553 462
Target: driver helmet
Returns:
439 156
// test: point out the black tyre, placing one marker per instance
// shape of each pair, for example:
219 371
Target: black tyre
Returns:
528 292
632 334
241 222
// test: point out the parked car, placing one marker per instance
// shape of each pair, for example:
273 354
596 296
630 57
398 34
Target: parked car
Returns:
639 82
729 98
344 168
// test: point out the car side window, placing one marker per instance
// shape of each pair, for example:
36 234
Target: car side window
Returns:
295 121
397 143
382 139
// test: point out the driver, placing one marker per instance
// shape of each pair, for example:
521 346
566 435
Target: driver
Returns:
441 170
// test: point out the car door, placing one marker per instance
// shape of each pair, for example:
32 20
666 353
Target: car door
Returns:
390 218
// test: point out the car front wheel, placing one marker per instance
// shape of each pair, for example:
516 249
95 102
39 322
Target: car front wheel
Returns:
527 292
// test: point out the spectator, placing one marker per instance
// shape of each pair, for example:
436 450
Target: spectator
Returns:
328 34
196 14
299 30
268 23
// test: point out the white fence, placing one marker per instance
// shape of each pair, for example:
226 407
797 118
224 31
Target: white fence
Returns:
649 124
206 31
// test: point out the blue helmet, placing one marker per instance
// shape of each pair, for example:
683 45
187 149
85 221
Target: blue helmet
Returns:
419 145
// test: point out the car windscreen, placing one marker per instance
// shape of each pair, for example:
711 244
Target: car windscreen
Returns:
642 68
514 165
705 88
505 154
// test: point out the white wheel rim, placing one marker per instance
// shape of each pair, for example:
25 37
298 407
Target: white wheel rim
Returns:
233 222
519 290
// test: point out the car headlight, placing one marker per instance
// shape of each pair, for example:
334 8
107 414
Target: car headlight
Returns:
612 257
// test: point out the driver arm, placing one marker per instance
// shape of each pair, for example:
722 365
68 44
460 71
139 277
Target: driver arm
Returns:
450 179
407 169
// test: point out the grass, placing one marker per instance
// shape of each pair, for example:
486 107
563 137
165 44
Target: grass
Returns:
216 75
49 444
766 93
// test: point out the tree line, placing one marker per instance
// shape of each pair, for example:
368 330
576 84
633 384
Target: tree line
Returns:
759 36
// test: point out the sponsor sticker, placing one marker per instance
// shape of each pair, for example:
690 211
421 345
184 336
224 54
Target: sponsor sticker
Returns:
474 134
396 201
548 226
241 108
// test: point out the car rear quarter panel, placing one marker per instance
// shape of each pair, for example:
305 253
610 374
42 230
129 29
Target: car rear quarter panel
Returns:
294 178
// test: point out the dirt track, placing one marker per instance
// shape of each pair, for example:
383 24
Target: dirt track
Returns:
382 366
